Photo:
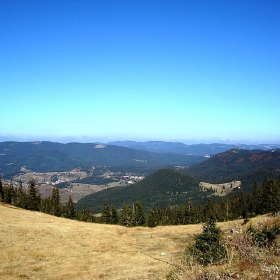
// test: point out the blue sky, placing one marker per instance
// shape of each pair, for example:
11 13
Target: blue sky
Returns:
190 71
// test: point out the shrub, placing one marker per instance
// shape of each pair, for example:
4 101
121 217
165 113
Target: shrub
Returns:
265 236
208 247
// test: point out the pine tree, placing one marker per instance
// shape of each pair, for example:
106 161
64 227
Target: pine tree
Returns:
105 214
257 199
209 247
70 211
188 213
33 197
126 218
46 205
168 216
198 214
9 194
271 196
114 216
56 207
86 215
21 200
152 220
138 215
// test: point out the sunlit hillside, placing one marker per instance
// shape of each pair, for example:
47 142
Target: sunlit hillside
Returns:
39 246
35 245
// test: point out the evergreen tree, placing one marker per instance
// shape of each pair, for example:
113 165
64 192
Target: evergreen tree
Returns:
56 207
126 218
46 205
70 211
114 216
208 209
208 247
188 213
105 214
86 215
152 220
168 216
33 197
257 199
9 194
198 214
138 215
271 196
21 200
243 205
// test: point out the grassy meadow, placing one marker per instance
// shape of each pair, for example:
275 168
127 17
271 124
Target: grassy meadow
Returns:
35 245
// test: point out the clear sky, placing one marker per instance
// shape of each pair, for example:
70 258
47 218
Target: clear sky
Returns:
190 71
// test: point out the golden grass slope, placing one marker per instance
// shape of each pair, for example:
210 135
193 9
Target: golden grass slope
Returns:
35 245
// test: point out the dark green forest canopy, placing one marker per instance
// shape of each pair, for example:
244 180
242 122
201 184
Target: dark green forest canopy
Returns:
236 164
265 198
163 187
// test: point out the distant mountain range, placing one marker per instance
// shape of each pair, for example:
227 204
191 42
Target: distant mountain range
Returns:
50 156
166 186
196 149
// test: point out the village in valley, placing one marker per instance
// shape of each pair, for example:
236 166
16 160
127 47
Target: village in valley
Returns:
74 182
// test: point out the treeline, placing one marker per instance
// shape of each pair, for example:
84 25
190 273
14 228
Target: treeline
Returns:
265 198
30 199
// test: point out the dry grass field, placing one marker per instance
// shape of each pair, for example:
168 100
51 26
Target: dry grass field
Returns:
39 246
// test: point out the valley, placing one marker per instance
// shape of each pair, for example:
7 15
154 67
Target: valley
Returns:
77 182
174 192
94 173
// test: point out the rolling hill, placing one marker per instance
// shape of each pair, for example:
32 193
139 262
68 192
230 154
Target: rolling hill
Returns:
162 188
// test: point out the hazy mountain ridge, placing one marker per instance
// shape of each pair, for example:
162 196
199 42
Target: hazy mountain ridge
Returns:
195 149
51 156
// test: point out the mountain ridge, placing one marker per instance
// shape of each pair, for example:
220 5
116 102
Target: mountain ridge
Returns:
45 156
195 149
225 166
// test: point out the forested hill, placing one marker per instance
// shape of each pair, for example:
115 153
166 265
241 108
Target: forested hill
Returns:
51 156
236 164
162 188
